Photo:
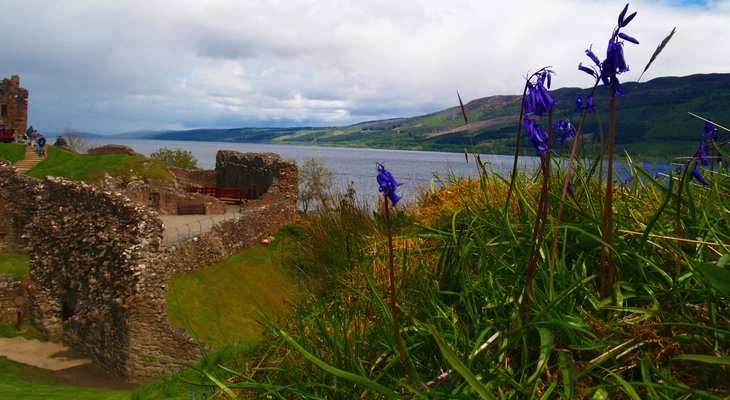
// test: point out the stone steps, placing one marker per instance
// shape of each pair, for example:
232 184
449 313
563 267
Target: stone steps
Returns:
30 160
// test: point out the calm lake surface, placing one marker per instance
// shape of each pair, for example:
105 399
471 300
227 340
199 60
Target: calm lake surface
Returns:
356 165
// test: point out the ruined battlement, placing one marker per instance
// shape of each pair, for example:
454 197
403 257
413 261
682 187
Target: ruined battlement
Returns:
99 267
13 105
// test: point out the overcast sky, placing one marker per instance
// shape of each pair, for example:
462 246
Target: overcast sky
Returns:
117 66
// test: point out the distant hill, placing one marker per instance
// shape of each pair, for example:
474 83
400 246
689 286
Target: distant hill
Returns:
652 122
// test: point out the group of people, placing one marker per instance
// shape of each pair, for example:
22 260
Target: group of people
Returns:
35 138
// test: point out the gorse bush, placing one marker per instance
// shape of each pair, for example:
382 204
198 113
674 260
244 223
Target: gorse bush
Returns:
564 282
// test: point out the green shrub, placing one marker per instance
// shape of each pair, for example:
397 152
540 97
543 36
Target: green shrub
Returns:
179 158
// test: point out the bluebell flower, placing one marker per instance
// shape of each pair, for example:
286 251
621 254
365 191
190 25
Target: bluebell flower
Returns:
710 131
588 71
571 191
387 184
703 153
567 129
579 106
629 180
537 136
698 175
615 63
622 21
593 57
589 104
538 100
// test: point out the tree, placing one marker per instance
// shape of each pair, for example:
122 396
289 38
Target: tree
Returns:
180 158
74 141
315 183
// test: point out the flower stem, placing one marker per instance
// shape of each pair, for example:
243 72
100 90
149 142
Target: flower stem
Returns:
608 269
392 293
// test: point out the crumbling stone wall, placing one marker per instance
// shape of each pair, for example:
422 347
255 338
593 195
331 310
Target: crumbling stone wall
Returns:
13 293
98 280
13 105
19 198
198 177
165 198
259 175
98 269
229 237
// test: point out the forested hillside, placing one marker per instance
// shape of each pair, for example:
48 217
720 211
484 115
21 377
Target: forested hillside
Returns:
654 122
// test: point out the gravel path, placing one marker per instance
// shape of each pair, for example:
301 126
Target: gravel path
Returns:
63 363
181 227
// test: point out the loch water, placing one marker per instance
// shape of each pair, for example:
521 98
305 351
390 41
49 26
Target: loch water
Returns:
356 166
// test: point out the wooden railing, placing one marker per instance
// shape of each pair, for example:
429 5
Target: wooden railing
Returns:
230 195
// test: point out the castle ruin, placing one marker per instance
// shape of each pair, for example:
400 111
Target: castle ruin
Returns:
13 106
99 266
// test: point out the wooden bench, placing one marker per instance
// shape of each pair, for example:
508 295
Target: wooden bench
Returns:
191 208
230 195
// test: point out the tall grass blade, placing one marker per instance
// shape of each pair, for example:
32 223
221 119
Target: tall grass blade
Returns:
657 51
704 359
546 346
459 366
220 385
718 277
567 370
361 380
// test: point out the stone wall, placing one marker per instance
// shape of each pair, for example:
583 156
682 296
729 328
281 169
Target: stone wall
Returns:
98 281
19 198
190 177
165 198
229 237
98 269
13 289
13 105
257 174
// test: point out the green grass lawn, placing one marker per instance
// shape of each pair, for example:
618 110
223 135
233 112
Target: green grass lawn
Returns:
13 264
12 152
20 381
27 330
81 167
222 303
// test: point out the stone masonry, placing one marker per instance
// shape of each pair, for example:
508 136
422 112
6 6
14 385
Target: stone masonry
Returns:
12 289
98 268
13 105
19 198
98 281
258 175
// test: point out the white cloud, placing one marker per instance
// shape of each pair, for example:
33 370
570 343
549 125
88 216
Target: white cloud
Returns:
114 66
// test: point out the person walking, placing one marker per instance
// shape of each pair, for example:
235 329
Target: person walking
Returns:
19 311
40 145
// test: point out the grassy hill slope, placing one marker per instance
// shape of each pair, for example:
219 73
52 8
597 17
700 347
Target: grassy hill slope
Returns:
653 122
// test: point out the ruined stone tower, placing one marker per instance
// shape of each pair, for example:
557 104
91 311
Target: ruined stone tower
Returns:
13 105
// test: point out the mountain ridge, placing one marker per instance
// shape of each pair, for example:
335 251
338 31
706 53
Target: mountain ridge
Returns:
652 122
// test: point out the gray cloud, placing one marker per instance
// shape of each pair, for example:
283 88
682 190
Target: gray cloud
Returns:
109 67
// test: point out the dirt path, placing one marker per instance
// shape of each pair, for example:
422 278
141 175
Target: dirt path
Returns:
181 227
63 363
